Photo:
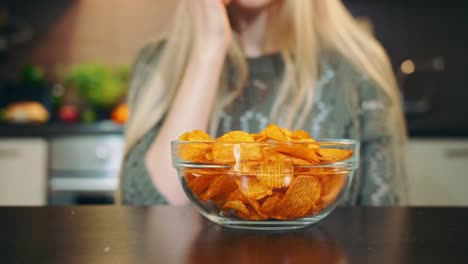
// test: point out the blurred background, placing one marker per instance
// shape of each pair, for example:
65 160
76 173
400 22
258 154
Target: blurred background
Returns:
65 66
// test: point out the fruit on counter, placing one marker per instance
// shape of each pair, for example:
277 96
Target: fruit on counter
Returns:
69 113
26 112
120 114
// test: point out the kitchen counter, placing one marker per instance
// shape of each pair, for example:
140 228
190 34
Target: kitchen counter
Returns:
108 127
57 130
416 130
180 235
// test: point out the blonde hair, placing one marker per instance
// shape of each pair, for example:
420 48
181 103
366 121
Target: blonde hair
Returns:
307 28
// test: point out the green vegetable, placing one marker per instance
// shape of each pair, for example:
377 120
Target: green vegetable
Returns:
33 75
88 116
2 114
99 85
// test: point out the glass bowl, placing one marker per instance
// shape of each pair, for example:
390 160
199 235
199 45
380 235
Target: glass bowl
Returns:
265 185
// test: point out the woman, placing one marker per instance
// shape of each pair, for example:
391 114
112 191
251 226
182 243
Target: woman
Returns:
241 64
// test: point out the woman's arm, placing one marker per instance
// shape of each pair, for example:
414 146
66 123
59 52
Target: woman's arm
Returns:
383 148
195 97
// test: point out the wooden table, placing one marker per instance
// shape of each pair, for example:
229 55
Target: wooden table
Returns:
180 235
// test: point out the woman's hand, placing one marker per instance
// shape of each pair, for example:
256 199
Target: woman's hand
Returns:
211 24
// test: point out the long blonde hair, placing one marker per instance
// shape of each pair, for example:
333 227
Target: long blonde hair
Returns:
307 27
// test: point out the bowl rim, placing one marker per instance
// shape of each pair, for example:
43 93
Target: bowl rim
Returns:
350 163
319 141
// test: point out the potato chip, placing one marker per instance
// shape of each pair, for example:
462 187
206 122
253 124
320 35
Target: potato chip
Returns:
209 155
252 205
333 155
238 206
275 174
196 135
299 152
247 168
252 189
236 195
196 152
317 172
189 176
270 155
316 208
331 187
276 133
254 214
308 142
260 137
199 184
235 153
271 202
300 134
221 185
235 137
299 198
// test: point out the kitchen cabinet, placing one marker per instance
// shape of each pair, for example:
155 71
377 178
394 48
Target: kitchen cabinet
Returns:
89 173
23 172
438 172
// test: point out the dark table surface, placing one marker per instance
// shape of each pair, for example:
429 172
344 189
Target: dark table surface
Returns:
180 235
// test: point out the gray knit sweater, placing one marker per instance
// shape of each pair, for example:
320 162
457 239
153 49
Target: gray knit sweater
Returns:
348 105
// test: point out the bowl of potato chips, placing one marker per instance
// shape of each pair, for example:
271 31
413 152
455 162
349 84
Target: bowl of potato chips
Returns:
274 180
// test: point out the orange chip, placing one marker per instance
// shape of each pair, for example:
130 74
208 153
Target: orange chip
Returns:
221 185
252 189
317 207
252 206
254 214
300 134
235 137
319 172
270 155
209 155
236 195
260 137
275 174
189 177
199 184
195 135
299 152
333 155
276 133
309 141
299 198
271 202
238 206
235 153
331 187
196 152
247 168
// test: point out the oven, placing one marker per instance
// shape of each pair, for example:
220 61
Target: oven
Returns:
84 169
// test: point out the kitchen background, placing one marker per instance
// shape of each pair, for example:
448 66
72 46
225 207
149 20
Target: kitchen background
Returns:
73 58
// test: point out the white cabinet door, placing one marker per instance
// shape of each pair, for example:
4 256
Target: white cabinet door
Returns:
438 172
23 172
